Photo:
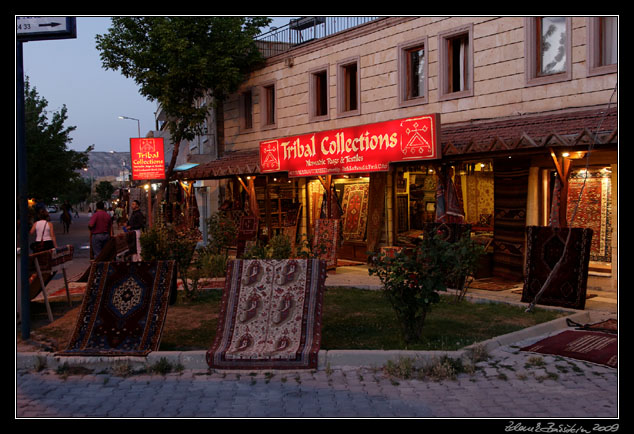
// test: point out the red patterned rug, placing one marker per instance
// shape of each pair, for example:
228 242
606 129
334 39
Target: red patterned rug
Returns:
123 309
355 211
270 315
590 346
326 241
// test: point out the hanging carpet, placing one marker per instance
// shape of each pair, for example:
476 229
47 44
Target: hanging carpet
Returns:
591 346
124 309
270 316
355 211
326 241
510 190
594 210
545 246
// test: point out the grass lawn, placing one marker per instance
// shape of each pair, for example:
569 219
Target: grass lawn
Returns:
352 319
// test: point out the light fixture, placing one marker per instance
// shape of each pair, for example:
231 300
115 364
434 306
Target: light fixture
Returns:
133 119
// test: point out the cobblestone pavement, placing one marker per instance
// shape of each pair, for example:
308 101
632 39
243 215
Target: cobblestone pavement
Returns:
509 384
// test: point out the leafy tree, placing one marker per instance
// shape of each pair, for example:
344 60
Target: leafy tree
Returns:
51 167
104 190
179 60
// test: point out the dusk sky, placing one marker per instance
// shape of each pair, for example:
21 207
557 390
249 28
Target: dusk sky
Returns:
69 71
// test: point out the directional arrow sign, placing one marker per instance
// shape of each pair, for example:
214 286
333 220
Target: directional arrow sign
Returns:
37 28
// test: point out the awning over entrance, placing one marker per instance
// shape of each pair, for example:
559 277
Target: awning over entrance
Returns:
531 132
245 162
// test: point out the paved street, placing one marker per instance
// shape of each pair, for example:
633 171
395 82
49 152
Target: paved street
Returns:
510 384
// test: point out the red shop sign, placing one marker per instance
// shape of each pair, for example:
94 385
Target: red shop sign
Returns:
148 160
364 148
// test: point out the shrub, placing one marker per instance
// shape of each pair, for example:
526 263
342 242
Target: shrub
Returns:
165 241
412 280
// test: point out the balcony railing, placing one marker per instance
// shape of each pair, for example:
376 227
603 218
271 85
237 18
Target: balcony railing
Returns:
305 29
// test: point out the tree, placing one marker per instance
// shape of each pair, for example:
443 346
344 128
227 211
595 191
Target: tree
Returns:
104 190
51 167
179 60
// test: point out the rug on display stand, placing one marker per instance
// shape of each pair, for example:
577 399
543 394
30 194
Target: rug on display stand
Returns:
590 346
545 246
355 211
124 309
270 316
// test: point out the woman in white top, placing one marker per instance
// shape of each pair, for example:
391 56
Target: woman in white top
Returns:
44 233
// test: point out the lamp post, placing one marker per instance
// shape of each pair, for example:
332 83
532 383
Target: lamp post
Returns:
133 119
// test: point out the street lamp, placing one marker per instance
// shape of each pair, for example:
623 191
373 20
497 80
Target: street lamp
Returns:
133 119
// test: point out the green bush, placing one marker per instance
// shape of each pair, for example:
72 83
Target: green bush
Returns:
412 280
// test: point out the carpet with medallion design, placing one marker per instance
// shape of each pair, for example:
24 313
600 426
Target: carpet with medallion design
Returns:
124 308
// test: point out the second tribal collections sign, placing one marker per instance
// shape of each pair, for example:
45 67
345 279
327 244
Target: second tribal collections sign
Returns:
148 160
365 148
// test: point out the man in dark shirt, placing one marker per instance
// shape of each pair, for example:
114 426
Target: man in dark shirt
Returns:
136 223
100 226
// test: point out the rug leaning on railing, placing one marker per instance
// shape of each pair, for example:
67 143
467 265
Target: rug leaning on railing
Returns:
123 310
270 315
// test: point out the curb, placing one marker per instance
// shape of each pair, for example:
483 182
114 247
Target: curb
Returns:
327 359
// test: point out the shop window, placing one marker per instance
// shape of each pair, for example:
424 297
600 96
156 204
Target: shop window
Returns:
415 199
348 87
549 48
456 63
318 94
413 72
602 45
267 105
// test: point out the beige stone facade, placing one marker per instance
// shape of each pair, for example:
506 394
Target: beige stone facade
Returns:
493 103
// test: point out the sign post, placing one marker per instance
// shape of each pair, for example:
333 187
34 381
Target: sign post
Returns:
30 29
148 163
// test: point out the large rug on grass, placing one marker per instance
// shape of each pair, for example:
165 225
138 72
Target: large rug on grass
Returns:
124 309
591 346
270 315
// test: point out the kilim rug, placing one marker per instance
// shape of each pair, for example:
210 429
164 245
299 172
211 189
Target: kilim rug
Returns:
326 240
544 248
123 309
270 316
594 347
355 211
376 210
594 210
510 190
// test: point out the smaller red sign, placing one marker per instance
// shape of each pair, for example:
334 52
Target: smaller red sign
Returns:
148 160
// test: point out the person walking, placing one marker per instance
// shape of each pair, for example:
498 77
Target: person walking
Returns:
44 234
100 226
136 223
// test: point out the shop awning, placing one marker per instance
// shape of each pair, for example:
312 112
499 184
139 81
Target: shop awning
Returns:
574 129
245 162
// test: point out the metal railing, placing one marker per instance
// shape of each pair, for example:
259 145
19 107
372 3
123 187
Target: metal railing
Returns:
305 29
